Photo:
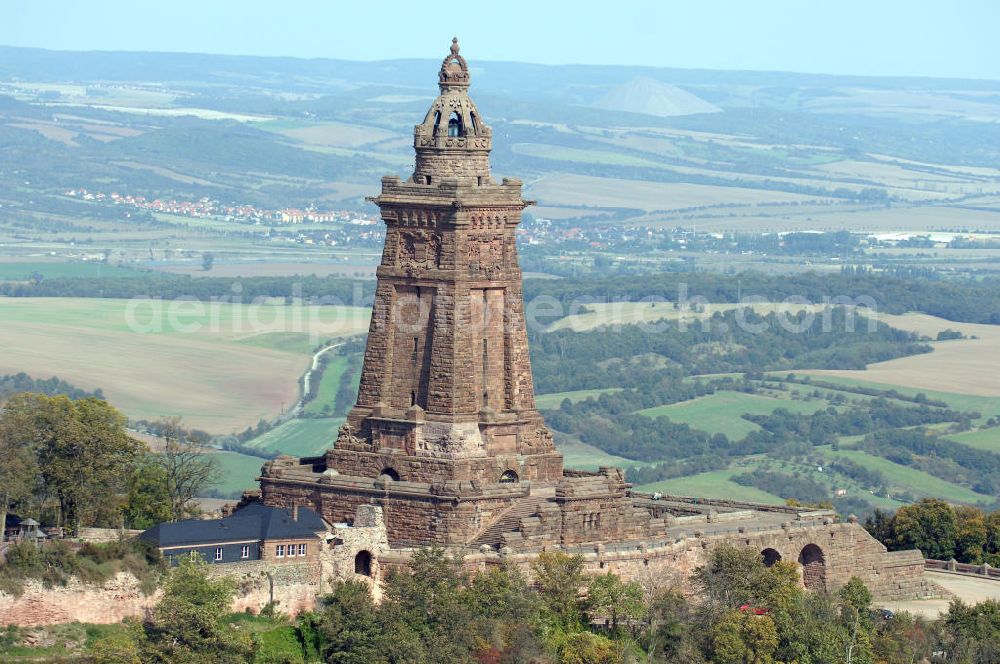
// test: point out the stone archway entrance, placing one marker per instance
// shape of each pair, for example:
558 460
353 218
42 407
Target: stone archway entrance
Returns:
770 556
363 563
813 567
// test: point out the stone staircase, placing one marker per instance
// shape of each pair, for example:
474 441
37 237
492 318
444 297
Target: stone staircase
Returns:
508 520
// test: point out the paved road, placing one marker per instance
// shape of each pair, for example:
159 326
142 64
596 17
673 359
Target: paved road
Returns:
968 588
308 376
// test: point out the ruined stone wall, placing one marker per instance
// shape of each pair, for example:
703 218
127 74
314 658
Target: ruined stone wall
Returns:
294 586
846 550
117 599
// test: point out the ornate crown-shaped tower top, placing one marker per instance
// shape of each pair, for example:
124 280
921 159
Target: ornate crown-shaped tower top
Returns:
453 140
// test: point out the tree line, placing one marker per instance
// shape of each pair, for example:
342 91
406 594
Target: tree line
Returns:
313 289
894 291
606 424
730 342
22 382
946 459
940 530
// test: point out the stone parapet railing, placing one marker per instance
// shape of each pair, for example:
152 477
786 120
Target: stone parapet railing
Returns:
985 570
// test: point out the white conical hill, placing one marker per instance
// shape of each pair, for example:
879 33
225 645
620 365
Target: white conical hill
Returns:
649 96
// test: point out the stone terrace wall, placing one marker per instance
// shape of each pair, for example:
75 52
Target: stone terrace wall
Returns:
847 550
294 587
117 599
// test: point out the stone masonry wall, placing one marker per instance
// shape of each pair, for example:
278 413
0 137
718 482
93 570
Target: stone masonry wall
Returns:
847 550
294 586
117 599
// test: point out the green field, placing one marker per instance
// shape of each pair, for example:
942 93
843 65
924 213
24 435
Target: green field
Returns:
22 271
329 383
287 342
986 406
300 437
912 480
553 399
721 412
585 156
579 455
715 484
983 439
238 472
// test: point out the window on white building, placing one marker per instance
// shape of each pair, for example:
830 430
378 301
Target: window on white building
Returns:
218 553
245 551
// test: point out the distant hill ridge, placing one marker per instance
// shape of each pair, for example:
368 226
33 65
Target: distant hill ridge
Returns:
651 97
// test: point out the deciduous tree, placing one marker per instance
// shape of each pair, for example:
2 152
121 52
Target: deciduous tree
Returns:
559 580
83 451
608 595
929 525
189 468
19 472
189 622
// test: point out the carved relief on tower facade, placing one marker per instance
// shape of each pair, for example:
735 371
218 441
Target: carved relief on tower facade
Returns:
537 441
418 248
486 254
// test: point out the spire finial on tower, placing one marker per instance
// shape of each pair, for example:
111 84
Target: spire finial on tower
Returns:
454 70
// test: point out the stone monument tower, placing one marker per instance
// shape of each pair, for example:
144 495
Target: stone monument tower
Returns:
446 396
446 388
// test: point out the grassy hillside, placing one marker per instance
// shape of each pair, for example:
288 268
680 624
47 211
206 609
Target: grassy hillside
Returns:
722 412
299 437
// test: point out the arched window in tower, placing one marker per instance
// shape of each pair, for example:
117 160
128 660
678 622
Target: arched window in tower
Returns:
475 124
437 121
455 125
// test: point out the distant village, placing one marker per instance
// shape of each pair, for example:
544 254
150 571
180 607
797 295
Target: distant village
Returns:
207 208
365 230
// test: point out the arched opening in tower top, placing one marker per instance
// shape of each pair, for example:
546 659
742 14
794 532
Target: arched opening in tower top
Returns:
455 127
437 121
475 124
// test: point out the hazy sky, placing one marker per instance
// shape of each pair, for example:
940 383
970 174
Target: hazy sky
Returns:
955 38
